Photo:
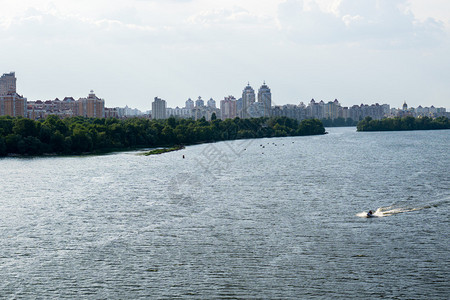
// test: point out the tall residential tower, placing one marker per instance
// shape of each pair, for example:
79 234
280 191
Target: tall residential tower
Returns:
159 109
265 97
11 103
8 83
248 98
91 107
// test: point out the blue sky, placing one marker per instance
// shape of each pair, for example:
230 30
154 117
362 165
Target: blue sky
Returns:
130 51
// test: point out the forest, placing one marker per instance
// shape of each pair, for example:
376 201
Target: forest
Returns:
78 135
404 123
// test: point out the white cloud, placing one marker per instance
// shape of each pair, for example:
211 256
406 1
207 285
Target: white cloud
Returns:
223 16
376 22
349 19
130 51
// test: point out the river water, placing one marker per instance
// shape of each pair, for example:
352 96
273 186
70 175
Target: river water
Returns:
279 218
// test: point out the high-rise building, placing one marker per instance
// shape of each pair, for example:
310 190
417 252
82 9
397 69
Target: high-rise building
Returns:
8 83
91 107
228 108
159 109
211 103
11 103
248 98
239 107
405 106
265 97
189 104
199 102
331 109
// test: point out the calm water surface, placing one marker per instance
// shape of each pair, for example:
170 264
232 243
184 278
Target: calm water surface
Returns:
277 218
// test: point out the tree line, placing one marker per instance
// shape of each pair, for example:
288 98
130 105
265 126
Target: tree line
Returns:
79 135
404 123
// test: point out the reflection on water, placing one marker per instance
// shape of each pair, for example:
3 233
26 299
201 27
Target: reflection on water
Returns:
269 218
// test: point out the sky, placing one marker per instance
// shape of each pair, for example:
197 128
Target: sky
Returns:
130 51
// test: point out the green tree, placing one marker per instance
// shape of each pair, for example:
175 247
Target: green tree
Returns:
6 125
172 122
25 127
2 146
12 140
81 140
57 142
405 123
67 145
30 145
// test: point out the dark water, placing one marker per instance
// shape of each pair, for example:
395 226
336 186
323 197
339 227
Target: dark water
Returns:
272 218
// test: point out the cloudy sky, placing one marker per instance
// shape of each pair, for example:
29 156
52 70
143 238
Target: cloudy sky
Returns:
129 51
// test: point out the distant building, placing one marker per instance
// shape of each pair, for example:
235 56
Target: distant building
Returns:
292 111
127 112
432 112
91 107
228 108
211 103
183 113
248 98
189 104
11 103
265 97
111 112
159 109
331 109
256 110
38 109
314 110
239 107
199 102
204 112
8 84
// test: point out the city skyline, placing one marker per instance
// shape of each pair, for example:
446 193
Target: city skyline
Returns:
131 51
249 102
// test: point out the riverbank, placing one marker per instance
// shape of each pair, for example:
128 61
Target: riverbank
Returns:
162 150
82 136
403 124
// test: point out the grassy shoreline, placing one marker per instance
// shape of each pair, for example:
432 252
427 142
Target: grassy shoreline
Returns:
162 150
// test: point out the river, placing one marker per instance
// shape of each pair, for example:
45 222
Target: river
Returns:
279 218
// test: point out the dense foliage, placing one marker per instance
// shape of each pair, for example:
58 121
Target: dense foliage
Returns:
405 123
86 135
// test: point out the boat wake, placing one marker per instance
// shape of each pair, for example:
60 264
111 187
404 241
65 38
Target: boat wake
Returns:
398 209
